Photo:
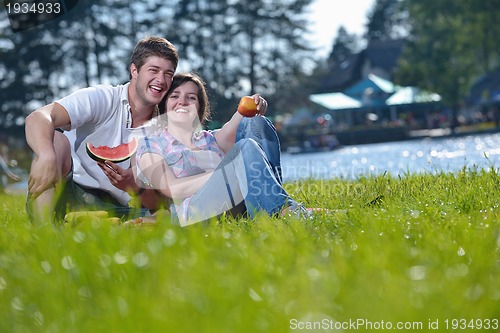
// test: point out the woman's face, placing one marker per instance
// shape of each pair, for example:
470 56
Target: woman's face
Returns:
182 104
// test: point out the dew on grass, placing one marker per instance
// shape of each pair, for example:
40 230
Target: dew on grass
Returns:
104 260
417 272
79 236
461 251
84 292
123 307
47 268
140 259
291 307
114 233
269 290
67 263
120 258
176 293
154 246
38 318
414 252
169 238
72 316
474 292
495 296
254 295
103 274
17 304
3 283
457 271
313 274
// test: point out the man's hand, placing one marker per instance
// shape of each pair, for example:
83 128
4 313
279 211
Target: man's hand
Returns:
119 177
43 174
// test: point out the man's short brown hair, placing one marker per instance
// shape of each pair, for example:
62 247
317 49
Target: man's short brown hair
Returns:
154 46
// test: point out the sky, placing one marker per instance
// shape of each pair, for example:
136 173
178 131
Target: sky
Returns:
328 15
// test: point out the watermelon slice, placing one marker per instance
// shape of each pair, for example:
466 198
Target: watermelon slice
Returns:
116 154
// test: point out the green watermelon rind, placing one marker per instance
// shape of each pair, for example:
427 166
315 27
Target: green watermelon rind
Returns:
105 153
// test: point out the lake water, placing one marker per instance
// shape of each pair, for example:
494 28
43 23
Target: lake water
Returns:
428 155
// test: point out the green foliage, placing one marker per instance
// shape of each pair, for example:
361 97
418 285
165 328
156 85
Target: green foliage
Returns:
385 21
242 47
426 250
81 48
344 46
451 43
239 47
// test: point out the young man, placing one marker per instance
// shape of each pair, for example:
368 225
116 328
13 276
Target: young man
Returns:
63 177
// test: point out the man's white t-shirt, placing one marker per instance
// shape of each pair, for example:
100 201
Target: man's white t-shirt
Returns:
100 115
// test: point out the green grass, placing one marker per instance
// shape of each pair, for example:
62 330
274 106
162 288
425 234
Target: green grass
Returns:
428 250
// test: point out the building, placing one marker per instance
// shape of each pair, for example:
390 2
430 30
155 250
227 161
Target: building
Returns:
366 106
378 58
377 110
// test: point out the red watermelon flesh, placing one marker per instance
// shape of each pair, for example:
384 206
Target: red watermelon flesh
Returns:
116 154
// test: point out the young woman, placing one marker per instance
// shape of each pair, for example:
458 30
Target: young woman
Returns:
234 169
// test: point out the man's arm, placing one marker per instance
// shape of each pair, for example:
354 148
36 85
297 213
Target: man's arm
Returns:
40 127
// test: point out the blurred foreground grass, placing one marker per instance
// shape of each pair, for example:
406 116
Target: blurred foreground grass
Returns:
427 252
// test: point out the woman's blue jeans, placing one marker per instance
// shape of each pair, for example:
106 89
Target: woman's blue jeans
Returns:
262 130
250 173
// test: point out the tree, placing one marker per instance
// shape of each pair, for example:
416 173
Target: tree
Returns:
243 47
449 47
386 21
344 46
96 44
249 42
239 47
324 77
481 17
83 47
28 60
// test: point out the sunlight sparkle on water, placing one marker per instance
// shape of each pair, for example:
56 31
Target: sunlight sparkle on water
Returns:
418 156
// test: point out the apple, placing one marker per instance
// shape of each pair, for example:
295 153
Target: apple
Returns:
247 107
